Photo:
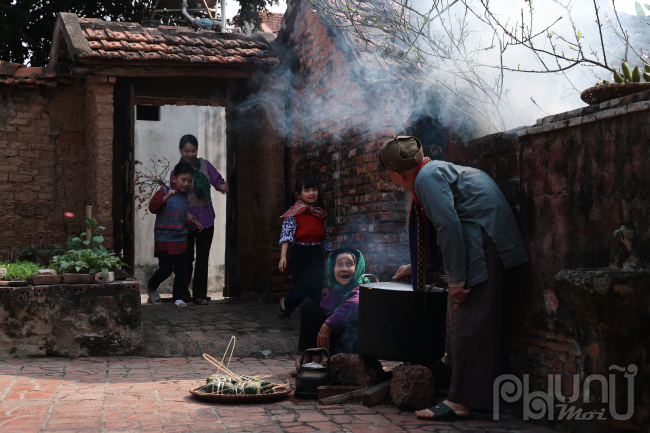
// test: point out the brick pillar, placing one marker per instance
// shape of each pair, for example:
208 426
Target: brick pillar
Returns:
99 143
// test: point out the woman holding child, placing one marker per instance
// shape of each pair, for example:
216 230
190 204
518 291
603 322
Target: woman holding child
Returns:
200 206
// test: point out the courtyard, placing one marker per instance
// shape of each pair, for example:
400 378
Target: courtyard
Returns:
149 393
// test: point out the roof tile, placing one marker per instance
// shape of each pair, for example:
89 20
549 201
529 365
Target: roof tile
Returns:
18 74
129 41
272 22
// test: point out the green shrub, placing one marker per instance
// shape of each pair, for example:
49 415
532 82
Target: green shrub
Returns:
30 253
20 269
85 262
77 243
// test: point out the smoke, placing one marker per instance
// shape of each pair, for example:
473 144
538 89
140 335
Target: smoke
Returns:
525 96
380 92
470 91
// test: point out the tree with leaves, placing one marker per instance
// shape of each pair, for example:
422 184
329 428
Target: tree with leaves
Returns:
26 26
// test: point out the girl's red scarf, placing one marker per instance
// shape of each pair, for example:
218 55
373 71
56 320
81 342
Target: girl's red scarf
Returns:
300 207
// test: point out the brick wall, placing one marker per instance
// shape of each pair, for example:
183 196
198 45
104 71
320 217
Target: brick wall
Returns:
99 145
43 171
333 135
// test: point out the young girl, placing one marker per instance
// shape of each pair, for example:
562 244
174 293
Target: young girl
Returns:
305 228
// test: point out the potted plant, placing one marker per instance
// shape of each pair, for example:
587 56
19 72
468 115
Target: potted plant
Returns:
16 273
81 266
626 82
85 261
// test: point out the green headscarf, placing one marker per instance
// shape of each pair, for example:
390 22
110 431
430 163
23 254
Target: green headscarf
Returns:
357 278
201 182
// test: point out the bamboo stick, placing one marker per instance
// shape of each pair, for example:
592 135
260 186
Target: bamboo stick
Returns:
89 216
220 366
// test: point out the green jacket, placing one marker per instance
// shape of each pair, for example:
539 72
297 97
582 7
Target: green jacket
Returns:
459 201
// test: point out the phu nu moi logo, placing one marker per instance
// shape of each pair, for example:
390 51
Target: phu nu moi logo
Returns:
538 404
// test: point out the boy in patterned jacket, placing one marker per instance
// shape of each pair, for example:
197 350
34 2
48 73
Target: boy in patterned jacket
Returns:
169 205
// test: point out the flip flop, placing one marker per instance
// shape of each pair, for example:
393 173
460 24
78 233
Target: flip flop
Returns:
154 298
283 313
180 304
443 412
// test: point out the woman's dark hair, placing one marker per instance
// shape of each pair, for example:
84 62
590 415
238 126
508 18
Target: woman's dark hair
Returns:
307 182
183 168
189 138
345 250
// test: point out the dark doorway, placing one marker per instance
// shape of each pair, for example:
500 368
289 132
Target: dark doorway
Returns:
431 133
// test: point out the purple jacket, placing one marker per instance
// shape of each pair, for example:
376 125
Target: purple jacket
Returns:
349 311
205 214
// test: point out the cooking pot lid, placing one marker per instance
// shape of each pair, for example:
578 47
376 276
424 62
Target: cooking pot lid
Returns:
397 285
313 366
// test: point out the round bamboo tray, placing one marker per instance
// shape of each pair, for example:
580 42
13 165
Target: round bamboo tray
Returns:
606 92
226 398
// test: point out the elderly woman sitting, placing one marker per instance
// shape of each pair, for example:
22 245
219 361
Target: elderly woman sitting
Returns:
332 324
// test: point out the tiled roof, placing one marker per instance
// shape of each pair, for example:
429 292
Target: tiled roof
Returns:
130 41
272 22
18 74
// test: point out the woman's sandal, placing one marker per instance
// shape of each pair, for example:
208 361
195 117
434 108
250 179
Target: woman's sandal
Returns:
154 298
443 412
180 304
200 302
283 313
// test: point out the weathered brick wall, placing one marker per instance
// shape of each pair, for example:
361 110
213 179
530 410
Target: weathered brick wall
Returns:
99 145
333 135
572 180
43 171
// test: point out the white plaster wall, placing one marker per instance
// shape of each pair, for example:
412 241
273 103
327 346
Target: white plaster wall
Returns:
160 139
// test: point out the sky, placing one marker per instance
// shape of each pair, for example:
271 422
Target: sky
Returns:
232 7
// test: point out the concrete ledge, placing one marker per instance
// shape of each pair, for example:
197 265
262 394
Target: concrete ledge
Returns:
71 320
616 107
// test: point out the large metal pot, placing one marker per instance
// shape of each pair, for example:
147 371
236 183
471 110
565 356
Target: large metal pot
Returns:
399 324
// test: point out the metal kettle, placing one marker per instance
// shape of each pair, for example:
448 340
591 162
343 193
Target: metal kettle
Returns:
311 376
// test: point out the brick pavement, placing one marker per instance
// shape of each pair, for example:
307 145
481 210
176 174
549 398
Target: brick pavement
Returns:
151 395
198 329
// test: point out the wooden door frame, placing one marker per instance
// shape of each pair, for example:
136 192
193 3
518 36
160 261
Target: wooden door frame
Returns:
123 171
129 91
232 286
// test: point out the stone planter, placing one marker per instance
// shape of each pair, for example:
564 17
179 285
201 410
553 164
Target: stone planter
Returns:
71 320
78 278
